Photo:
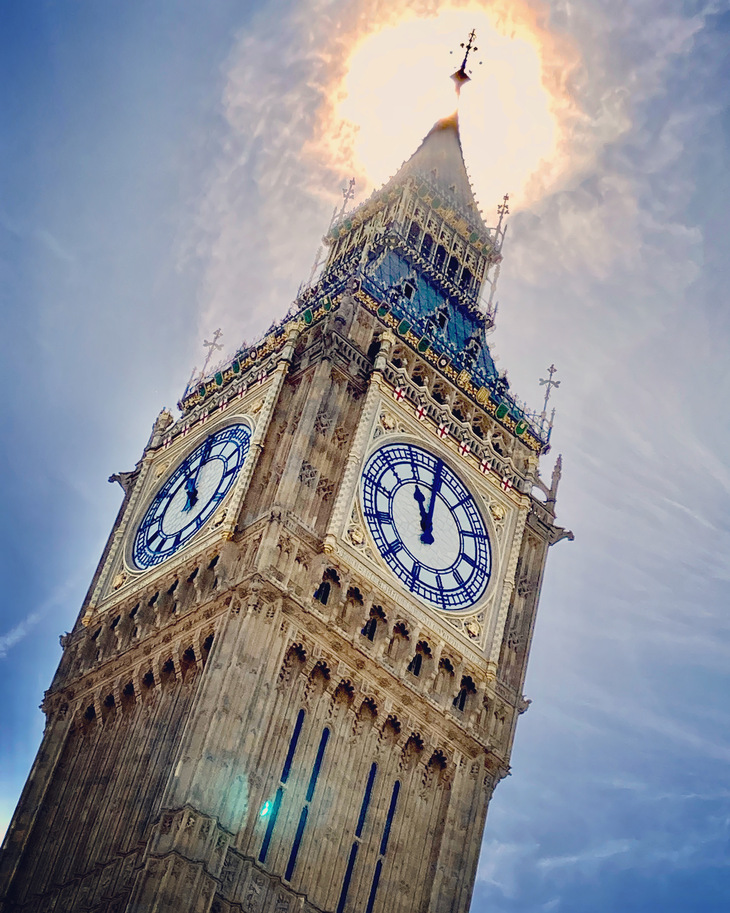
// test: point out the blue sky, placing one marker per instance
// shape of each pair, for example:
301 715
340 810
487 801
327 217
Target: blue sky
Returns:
153 189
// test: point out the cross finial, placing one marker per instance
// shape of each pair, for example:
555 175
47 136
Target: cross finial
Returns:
502 210
347 194
549 383
461 76
211 347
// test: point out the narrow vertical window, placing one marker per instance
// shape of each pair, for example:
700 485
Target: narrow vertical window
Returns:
307 800
297 841
273 810
358 834
389 819
292 747
374 888
366 801
348 876
383 846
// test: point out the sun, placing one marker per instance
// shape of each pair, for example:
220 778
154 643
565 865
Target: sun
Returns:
395 84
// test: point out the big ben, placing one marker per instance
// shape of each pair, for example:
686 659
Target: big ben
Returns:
295 680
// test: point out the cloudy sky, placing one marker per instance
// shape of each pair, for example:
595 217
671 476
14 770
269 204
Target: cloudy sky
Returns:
169 167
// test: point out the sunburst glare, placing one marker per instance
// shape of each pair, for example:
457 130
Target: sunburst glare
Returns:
395 85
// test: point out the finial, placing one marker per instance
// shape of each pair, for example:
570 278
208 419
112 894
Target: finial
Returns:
502 211
348 193
211 347
461 76
549 383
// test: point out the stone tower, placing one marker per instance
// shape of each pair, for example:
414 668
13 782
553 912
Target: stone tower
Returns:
294 682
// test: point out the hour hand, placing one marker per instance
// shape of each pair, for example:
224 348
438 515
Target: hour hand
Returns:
420 498
192 492
427 518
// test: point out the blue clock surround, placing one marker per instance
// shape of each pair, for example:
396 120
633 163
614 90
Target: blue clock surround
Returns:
426 525
190 495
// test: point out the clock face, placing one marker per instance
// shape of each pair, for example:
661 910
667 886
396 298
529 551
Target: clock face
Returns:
426 526
191 495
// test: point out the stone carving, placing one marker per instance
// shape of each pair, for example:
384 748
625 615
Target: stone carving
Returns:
307 474
119 580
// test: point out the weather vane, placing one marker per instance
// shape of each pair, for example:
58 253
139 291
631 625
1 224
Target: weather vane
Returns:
211 347
461 76
549 383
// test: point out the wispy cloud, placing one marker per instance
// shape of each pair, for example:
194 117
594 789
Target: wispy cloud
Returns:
18 632
590 857
58 597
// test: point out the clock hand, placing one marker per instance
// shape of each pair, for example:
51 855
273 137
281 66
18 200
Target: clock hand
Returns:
192 492
427 534
419 496
191 484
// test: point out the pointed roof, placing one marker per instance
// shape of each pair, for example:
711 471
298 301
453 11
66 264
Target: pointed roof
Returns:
439 160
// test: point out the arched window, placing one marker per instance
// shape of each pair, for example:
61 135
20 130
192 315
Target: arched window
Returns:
322 593
439 257
453 268
415 665
371 625
426 246
414 233
467 688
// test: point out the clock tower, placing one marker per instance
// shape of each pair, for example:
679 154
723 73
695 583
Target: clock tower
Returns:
295 679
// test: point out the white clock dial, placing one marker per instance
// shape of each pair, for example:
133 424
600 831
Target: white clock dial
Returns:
426 526
190 495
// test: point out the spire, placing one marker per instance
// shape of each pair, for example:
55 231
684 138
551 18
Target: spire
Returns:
439 161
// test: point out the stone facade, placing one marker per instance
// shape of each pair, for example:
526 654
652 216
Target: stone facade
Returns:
268 721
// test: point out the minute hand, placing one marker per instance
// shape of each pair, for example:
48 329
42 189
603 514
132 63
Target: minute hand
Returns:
427 534
191 483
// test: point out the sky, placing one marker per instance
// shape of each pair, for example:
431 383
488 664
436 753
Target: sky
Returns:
168 168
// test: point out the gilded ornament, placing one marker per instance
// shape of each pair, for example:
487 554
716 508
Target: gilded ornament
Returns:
357 536
473 628
161 468
497 511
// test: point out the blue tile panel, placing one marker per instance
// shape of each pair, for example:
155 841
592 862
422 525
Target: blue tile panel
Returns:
386 278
